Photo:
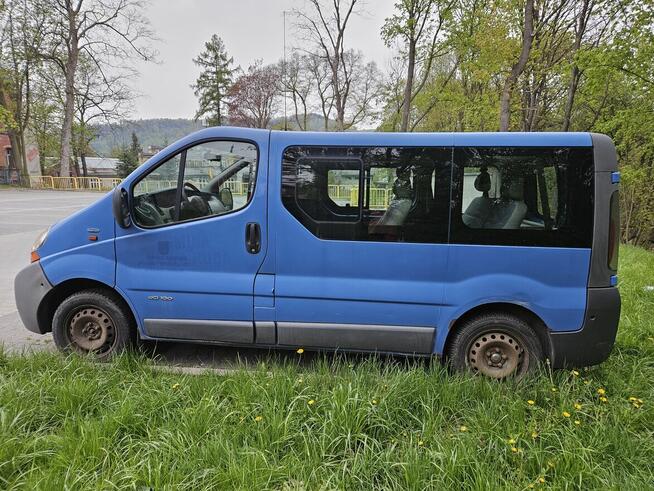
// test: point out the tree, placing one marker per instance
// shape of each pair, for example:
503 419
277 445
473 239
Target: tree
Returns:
418 25
298 82
22 36
214 80
254 96
325 28
107 32
129 157
518 67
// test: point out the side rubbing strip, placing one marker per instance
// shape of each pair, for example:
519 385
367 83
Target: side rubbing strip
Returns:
395 339
264 332
201 330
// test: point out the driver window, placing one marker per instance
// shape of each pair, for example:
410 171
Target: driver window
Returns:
155 195
218 177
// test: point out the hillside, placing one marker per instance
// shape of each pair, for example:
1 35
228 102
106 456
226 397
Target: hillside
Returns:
161 132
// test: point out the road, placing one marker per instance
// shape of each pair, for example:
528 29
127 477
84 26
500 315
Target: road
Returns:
23 214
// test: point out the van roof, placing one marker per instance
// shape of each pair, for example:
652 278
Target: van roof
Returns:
551 139
363 138
545 139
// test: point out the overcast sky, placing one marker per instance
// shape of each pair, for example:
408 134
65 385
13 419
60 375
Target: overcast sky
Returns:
251 29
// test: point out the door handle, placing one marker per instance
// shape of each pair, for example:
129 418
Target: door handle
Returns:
253 238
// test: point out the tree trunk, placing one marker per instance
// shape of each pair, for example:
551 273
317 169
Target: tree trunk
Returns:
82 157
69 108
408 87
575 73
518 68
569 103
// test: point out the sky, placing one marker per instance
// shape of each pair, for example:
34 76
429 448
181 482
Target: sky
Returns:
250 29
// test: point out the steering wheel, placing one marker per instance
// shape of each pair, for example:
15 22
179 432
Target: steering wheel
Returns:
196 202
147 212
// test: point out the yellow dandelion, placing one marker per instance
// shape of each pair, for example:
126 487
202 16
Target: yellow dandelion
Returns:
514 450
258 418
577 406
575 373
175 386
640 401
604 399
566 414
550 464
577 422
534 435
541 480
530 402
633 399
601 391
463 428
300 351
586 382
554 389
530 486
374 402
311 402
420 443
511 441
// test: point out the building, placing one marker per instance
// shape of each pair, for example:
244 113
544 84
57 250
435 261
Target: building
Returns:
100 167
150 152
9 174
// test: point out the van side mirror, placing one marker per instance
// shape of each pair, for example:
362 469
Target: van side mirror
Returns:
120 205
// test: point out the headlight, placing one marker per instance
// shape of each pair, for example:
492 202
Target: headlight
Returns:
40 240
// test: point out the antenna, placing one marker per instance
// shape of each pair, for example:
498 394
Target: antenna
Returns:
284 81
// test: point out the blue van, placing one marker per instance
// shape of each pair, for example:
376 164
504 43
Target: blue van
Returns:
493 251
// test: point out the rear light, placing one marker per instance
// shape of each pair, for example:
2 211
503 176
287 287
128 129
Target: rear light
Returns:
614 231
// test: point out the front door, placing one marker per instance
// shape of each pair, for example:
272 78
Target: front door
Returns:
188 261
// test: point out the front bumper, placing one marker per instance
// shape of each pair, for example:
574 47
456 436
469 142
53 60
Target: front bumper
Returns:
30 287
593 343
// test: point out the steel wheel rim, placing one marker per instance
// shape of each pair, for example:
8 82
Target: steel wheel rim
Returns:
496 354
91 330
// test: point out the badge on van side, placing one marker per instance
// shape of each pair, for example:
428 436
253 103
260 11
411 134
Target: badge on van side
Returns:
161 298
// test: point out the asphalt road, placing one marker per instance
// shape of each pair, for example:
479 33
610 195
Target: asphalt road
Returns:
23 214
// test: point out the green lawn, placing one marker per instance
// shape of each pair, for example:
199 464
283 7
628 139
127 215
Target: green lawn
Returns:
335 423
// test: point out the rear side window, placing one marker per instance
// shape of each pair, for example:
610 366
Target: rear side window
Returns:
523 196
385 194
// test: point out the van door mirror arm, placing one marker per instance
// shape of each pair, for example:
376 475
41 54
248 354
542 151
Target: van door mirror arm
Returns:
120 205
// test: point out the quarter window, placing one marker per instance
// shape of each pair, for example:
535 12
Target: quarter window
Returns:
209 179
523 196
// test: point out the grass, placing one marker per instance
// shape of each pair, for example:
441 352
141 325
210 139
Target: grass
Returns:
383 424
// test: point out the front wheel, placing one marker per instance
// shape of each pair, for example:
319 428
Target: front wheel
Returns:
498 346
92 322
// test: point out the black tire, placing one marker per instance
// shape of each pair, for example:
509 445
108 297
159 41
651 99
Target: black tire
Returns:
495 345
93 322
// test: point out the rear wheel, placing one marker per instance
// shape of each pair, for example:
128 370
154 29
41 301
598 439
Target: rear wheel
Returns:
92 322
495 345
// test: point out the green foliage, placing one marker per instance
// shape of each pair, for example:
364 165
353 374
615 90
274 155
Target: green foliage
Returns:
129 157
67 423
614 93
214 80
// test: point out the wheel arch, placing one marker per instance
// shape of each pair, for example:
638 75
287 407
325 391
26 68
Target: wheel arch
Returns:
63 290
529 316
